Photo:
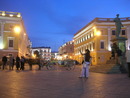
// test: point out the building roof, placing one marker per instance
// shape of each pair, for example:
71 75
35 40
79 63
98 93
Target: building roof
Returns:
10 14
125 19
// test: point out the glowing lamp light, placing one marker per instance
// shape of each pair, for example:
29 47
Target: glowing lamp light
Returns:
33 55
98 33
18 15
11 15
3 14
94 27
17 29
1 46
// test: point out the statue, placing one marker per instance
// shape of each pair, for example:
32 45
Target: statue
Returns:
118 25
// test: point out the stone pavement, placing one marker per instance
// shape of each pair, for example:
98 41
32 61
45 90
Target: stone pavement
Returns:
60 83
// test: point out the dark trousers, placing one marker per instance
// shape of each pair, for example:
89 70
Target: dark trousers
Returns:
22 66
4 64
128 69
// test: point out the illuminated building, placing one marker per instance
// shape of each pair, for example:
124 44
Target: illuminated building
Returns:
13 36
44 52
96 37
67 50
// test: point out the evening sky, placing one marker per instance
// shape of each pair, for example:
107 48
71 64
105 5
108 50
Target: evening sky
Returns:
54 22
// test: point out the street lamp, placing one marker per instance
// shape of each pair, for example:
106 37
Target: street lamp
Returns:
17 29
98 33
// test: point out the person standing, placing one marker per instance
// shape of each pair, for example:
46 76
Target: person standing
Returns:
4 61
17 62
39 63
128 61
30 63
22 63
85 63
11 63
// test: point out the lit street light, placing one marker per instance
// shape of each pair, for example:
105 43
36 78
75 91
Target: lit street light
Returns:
17 29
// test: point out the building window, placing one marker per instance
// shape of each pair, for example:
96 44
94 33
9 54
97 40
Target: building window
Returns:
102 44
123 32
93 45
90 35
10 54
11 43
90 46
113 32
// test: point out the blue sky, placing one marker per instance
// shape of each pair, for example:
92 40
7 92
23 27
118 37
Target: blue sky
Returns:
54 22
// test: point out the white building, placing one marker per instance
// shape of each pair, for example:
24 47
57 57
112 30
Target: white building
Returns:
44 52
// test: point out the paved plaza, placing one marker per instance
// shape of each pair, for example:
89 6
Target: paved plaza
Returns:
61 83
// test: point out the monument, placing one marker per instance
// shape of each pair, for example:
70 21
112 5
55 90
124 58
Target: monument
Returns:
119 44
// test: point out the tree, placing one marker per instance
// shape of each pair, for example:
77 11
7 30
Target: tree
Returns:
36 53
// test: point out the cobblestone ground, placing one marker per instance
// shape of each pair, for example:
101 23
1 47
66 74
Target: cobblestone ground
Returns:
60 83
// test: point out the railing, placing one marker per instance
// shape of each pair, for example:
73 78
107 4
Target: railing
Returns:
111 19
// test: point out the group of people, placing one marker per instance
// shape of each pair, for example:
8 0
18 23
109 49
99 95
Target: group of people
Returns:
11 62
20 62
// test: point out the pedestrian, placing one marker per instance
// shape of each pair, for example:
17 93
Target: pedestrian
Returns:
22 60
17 62
128 61
39 63
30 63
85 64
4 61
11 62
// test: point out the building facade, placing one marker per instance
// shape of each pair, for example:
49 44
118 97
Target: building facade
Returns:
13 36
54 55
96 36
44 52
66 51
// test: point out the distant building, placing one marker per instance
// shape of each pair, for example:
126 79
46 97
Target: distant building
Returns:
54 55
96 36
67 50
44 52
13 36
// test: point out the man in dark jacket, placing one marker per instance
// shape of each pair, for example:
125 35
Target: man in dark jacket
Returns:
4 60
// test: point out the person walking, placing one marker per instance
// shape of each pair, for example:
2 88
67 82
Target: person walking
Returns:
4 61
11 62
22 60
30 63
17 62
85 63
